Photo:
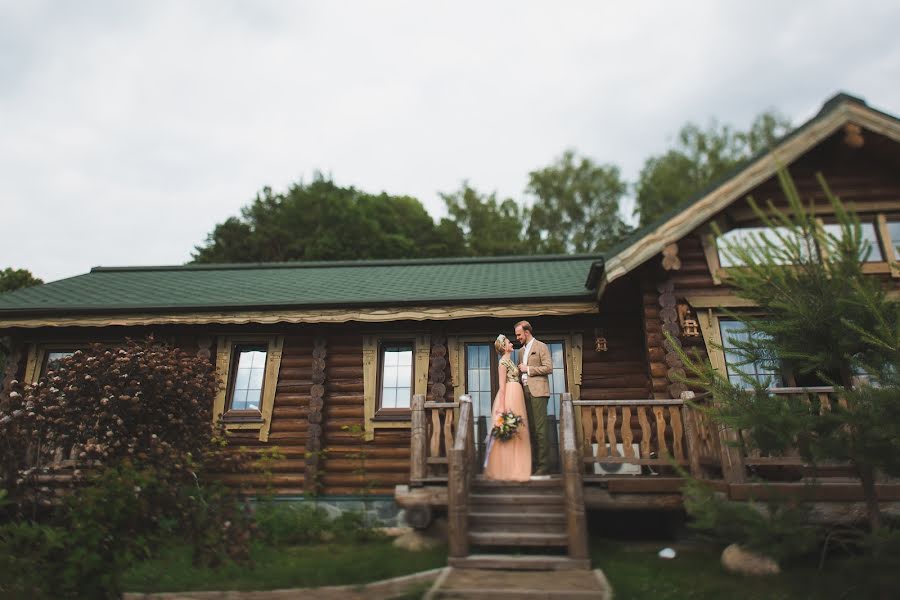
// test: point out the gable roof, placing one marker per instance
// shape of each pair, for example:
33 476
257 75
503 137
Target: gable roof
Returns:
271 286
648 241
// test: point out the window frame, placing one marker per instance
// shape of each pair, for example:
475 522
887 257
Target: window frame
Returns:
239 414
398 419
879 220
39 351
778 376
391 414
226 368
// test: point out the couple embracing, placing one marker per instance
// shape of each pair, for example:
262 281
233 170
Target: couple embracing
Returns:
524 391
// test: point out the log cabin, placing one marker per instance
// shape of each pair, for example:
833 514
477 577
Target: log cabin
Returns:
393 361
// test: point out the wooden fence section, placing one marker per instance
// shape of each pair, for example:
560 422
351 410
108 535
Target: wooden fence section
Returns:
433 431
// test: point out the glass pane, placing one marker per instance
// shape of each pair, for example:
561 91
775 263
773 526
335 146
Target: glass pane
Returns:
390 376
242 379
253 399
471 357
390 357
403 398
256 379
869 239
239 401
389 398
404 375
484 377
404 358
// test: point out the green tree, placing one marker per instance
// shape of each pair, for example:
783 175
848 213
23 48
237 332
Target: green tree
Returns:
323 221
576 206
699 159
822 318
490 227
14 279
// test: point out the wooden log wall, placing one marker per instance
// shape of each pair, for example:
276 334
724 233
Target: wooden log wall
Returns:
619 373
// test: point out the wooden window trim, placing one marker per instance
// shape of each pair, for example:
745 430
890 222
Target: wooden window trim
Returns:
226 368
372 344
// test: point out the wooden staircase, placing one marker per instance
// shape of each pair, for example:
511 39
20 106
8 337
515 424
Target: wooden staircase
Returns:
506 518
496 518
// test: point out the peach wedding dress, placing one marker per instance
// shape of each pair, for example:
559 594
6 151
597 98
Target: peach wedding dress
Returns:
510 460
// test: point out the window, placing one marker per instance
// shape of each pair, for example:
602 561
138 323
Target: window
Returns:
249 376
249 365
748 236
393 371
396 376
739 368
52 359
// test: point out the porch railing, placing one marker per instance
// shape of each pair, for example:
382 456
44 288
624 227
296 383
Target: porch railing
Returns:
462 459
433 430
820 399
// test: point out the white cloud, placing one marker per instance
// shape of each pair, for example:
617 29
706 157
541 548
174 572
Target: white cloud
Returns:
127 130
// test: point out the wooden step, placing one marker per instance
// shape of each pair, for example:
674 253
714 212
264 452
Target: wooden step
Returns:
530 503
516 518
518 562
541 522
519 538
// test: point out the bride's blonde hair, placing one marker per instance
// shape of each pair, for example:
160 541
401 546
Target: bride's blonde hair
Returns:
500 344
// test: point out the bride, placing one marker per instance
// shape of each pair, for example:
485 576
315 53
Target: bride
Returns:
509 460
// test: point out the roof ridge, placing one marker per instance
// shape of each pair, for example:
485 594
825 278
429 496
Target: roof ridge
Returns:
353 263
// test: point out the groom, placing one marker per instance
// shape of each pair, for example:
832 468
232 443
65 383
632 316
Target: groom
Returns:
535 364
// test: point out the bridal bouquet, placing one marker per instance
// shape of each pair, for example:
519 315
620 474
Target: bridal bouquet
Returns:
506 426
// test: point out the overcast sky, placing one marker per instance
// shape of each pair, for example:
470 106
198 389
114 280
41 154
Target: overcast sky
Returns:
129 129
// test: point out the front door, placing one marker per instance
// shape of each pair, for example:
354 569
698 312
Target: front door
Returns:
481 383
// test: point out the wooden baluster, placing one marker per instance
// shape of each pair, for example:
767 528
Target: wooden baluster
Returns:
448 427
626 432
660 431
675 420
601 441
824 403
611 430
436 434
587 430
645 432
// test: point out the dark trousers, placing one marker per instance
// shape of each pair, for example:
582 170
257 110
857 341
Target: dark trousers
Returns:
536 409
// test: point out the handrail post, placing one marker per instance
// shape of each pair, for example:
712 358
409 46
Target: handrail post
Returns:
417 448
459 458
572 467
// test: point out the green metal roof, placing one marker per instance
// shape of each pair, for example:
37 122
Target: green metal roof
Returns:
321 284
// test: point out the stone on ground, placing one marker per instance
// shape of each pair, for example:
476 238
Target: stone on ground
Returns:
736 559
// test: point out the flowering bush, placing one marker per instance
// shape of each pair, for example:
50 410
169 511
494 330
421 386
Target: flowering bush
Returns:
136 422
506 425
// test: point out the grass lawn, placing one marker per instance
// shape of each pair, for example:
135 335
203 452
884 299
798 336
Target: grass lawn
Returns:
636 573
633 569
286 567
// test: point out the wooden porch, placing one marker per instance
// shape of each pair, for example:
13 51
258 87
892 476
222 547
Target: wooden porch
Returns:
614 455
